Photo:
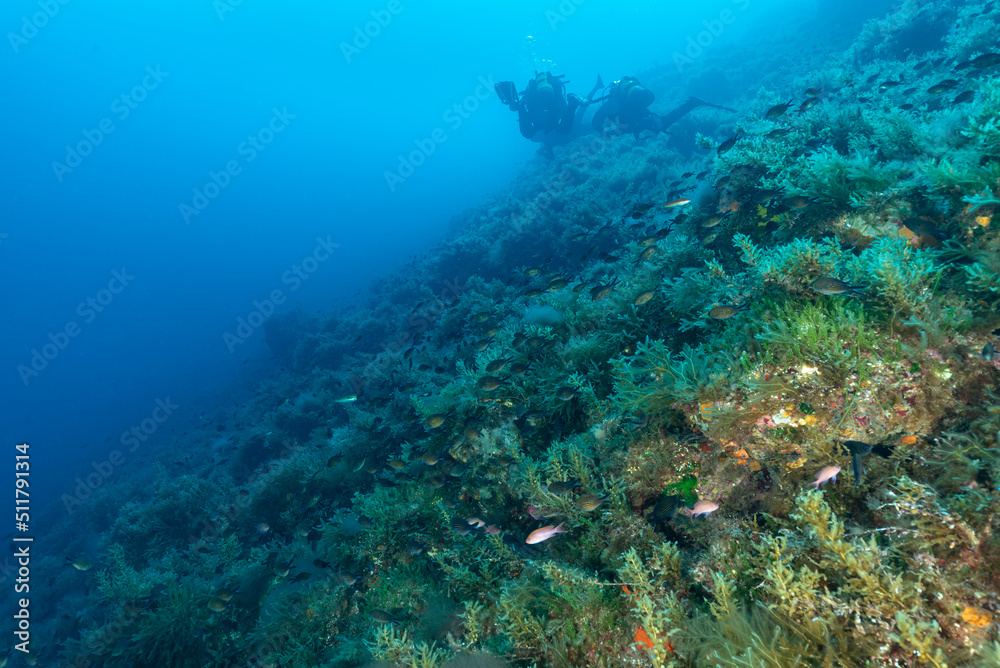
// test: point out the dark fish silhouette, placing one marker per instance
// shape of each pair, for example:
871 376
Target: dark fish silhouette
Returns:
858 450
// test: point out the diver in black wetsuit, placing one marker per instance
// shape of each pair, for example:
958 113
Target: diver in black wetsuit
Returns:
626 105
543 107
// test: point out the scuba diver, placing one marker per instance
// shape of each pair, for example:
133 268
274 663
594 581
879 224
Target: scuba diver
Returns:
626 105
544 110
542 107
547 116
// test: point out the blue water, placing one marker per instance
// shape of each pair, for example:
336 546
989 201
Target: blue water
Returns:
116 113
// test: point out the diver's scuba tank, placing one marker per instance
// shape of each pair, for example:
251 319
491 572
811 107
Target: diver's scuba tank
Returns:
548 88
634 94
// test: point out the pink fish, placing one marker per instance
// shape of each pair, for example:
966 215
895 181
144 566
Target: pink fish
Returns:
703 507
493 529
538 535
827 473
476 521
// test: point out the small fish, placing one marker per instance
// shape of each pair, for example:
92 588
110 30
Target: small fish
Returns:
436 420
712 221
215 605
589 502
414 547
562 488
665 508
346 400
985 60
963 97
827 285
460 526
566 393
538 535
814 92
540 513
498 365
397 463
858 450
383 617
476 522
601 292
319 563
644 297
531 293
807 104
727 145
429 458
302 577
677 202
888 84
360 465
225 594
945 85
482 316
482 344
703 508
639 421
533 271
989 352
263 528
435 481
489 383
646 254
825 474
347 578
492 530
765 195
556 284
80 564
724 311
778 110
780 132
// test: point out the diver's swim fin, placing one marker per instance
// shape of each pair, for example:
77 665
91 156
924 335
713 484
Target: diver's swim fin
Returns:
599 86
507 92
